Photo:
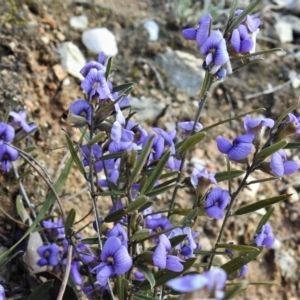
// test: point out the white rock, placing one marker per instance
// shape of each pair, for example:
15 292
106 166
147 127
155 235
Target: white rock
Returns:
153 30
287 264
100 39
72 59
284 31
79 22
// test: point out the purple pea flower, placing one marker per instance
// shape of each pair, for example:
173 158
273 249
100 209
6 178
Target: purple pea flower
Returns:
212 281
216 51
2 292
162 259
7 155
295 122
7 133
240 40
19 120
55 230
188 126
216 202
254 125
201 178
48 254
239 149
243 271
251 23
281 166
201 33
95 84
82 109
75 267
119 232
99 65
115 260
158 221
264 237
96 154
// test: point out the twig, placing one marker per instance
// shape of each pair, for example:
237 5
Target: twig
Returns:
67 273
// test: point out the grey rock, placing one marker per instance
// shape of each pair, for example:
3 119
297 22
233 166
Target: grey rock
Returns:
79 22
183 70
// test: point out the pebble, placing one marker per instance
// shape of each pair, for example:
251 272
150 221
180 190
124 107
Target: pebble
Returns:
59 72
72 59
100 39
79 22
153 30
287 264
284 31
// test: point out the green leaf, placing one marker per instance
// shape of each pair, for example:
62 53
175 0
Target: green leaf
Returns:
140 234
115 216
236 290
264 219
141 161
188 220
124 86
264 283
222 176
233 9
29 149
137 203
238 20
60 183
41 291
108 67
75 155
243 248
191 142
204 252
292 146
97 138
70 219
162 276
260 204
142 297
247 63
185 212
148 274
159 189
236 263
176 240
263 52
111 193
90 241
156 172
270 150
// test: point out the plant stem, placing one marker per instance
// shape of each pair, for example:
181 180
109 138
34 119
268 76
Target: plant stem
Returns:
207 83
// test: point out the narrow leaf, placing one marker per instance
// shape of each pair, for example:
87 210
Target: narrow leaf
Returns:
236 290
185 212
90 241
264 283
142 297
191 142
236 263
97 138
111 193
137 203
243 248
176 240
162 188
156 172
124 86
148 274
264 219
41 291
233 9
115 216
70 219
141 161
263 52
140 234
222 176
108 67
260 204
271 149
292 146
29 149
75 155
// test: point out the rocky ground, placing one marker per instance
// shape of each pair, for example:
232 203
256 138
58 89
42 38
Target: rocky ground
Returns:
35 76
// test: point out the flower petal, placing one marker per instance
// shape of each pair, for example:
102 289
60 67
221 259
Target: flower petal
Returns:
173 263
111 246
160 256
223 145
188 283
122 261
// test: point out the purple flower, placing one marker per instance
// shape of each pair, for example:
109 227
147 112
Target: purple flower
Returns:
264 237
239 149
139 276
162 259
7 133
19 120
213 281
99 65
201 33
251 22
7 155
186 247
255 125
55 230
216 202
95 84
295 122
215 50
115 260
157 221
96 154
240 40
119 232
188 126
281 166
243 271
82 109
48 254
75 267
200 177
2 292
